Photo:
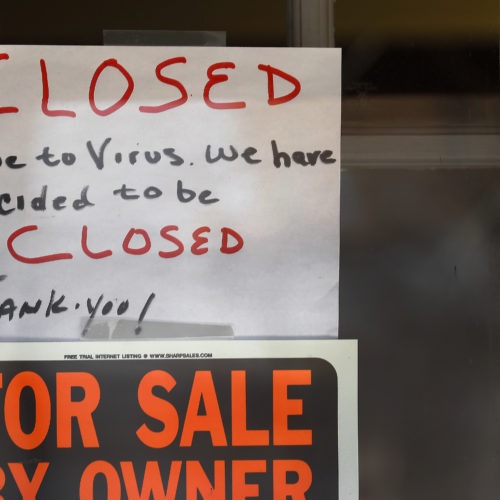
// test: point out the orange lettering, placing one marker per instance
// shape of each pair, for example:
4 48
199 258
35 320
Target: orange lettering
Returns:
110 475
158 409
211 421
241 436
241 489
152 485
33 381
80 410
196 480
284 407
27 488
294 491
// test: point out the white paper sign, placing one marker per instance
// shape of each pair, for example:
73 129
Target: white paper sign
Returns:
189 185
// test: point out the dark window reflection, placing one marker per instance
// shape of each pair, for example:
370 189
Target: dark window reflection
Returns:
429 46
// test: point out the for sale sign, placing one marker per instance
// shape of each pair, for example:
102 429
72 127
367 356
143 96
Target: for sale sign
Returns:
179 420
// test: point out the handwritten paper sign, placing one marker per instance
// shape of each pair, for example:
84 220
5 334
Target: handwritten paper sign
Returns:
191 185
